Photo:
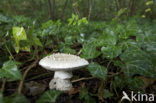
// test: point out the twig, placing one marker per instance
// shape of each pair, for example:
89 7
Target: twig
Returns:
3 84
9 52
114 74
77 80
25 74
90 10
108 64
100 91
27 70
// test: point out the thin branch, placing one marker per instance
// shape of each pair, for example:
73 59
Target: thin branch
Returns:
113 74
25 74
3 84
108 64
9 52
90 10
77 80
100 91
27 70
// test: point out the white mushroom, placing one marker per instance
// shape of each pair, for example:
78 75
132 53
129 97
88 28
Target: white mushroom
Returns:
62 64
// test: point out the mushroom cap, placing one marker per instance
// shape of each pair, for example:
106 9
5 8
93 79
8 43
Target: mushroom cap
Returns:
61 61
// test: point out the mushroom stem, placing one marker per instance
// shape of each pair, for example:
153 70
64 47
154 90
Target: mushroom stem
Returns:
61 81
63 74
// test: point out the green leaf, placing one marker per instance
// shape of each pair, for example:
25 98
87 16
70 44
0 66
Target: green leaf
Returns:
69 40
10 71
89 51
121 11
149 2
111 51
37 41
107 38
132 83
18 35
49 96
137 62
89 99
4 19
47 24
69 50
83 93
16 99
107 94
97 70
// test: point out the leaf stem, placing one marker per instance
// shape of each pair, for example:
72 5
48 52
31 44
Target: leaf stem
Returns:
9 52
3 84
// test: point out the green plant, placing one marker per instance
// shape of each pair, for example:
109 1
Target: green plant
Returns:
121 53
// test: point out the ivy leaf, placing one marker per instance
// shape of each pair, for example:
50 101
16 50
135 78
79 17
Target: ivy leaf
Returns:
89 99
83 94
18 35
37 41
111 51
49 96
89 51
4 19
137 62
47 24
108 38
121 11
16 99
69 50
97 70
10 71
132 83
107 94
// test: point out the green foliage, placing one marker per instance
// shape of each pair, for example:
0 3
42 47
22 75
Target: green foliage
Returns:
132 83
49 96
149 2
97 70
107 94
137 62
19 34
76 21
83 94
15 99
111 51
10 71
119 49
89 50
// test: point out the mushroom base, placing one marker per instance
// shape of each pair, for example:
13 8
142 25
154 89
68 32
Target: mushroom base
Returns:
60 84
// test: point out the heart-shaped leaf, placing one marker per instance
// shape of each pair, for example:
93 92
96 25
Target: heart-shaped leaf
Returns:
16 99
10 71
137 62
49 96
97 70
18 35
89 51
111 51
